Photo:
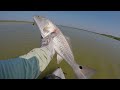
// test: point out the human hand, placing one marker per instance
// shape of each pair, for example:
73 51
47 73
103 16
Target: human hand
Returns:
48 42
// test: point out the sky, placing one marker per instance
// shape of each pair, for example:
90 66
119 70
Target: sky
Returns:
106 22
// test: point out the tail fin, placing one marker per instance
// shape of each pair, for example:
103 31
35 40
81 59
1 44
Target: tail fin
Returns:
83 72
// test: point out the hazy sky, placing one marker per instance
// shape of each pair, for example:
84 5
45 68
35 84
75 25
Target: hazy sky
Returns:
98 21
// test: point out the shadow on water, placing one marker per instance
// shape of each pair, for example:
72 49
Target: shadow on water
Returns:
89 49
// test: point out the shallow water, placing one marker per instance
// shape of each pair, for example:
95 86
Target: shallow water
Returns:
89 49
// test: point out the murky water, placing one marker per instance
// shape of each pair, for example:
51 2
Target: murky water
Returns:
93 50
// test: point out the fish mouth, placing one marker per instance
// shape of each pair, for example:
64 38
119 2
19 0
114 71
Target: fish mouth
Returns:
41 23
46 27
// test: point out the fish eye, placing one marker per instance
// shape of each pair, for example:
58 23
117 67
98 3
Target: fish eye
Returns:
41 37
80 67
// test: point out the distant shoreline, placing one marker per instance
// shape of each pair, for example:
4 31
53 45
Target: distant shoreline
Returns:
15 21
110 36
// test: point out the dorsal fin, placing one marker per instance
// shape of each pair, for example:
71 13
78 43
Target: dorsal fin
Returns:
69 41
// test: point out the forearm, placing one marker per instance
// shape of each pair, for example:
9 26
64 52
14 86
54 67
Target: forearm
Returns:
19 68
43 55
28 66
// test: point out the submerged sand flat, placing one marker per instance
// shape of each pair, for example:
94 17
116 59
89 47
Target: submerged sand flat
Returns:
90 49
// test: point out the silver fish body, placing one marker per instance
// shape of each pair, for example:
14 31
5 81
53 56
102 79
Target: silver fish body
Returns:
62 47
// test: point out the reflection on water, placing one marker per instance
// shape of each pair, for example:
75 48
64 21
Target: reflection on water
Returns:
93 50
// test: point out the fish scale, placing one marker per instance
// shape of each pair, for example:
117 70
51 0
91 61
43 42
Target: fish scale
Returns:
62 47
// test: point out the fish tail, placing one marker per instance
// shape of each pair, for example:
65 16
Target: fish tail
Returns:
83 72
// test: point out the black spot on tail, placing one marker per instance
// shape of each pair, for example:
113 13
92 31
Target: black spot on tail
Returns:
80 67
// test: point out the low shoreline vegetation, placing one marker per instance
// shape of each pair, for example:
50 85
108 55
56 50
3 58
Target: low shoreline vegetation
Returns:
15 21
110 36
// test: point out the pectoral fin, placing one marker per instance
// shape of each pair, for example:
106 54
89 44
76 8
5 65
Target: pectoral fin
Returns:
69 41
59 59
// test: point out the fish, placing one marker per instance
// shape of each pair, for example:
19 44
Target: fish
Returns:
62 47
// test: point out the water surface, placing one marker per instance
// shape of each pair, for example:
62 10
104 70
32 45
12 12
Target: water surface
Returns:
90 49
